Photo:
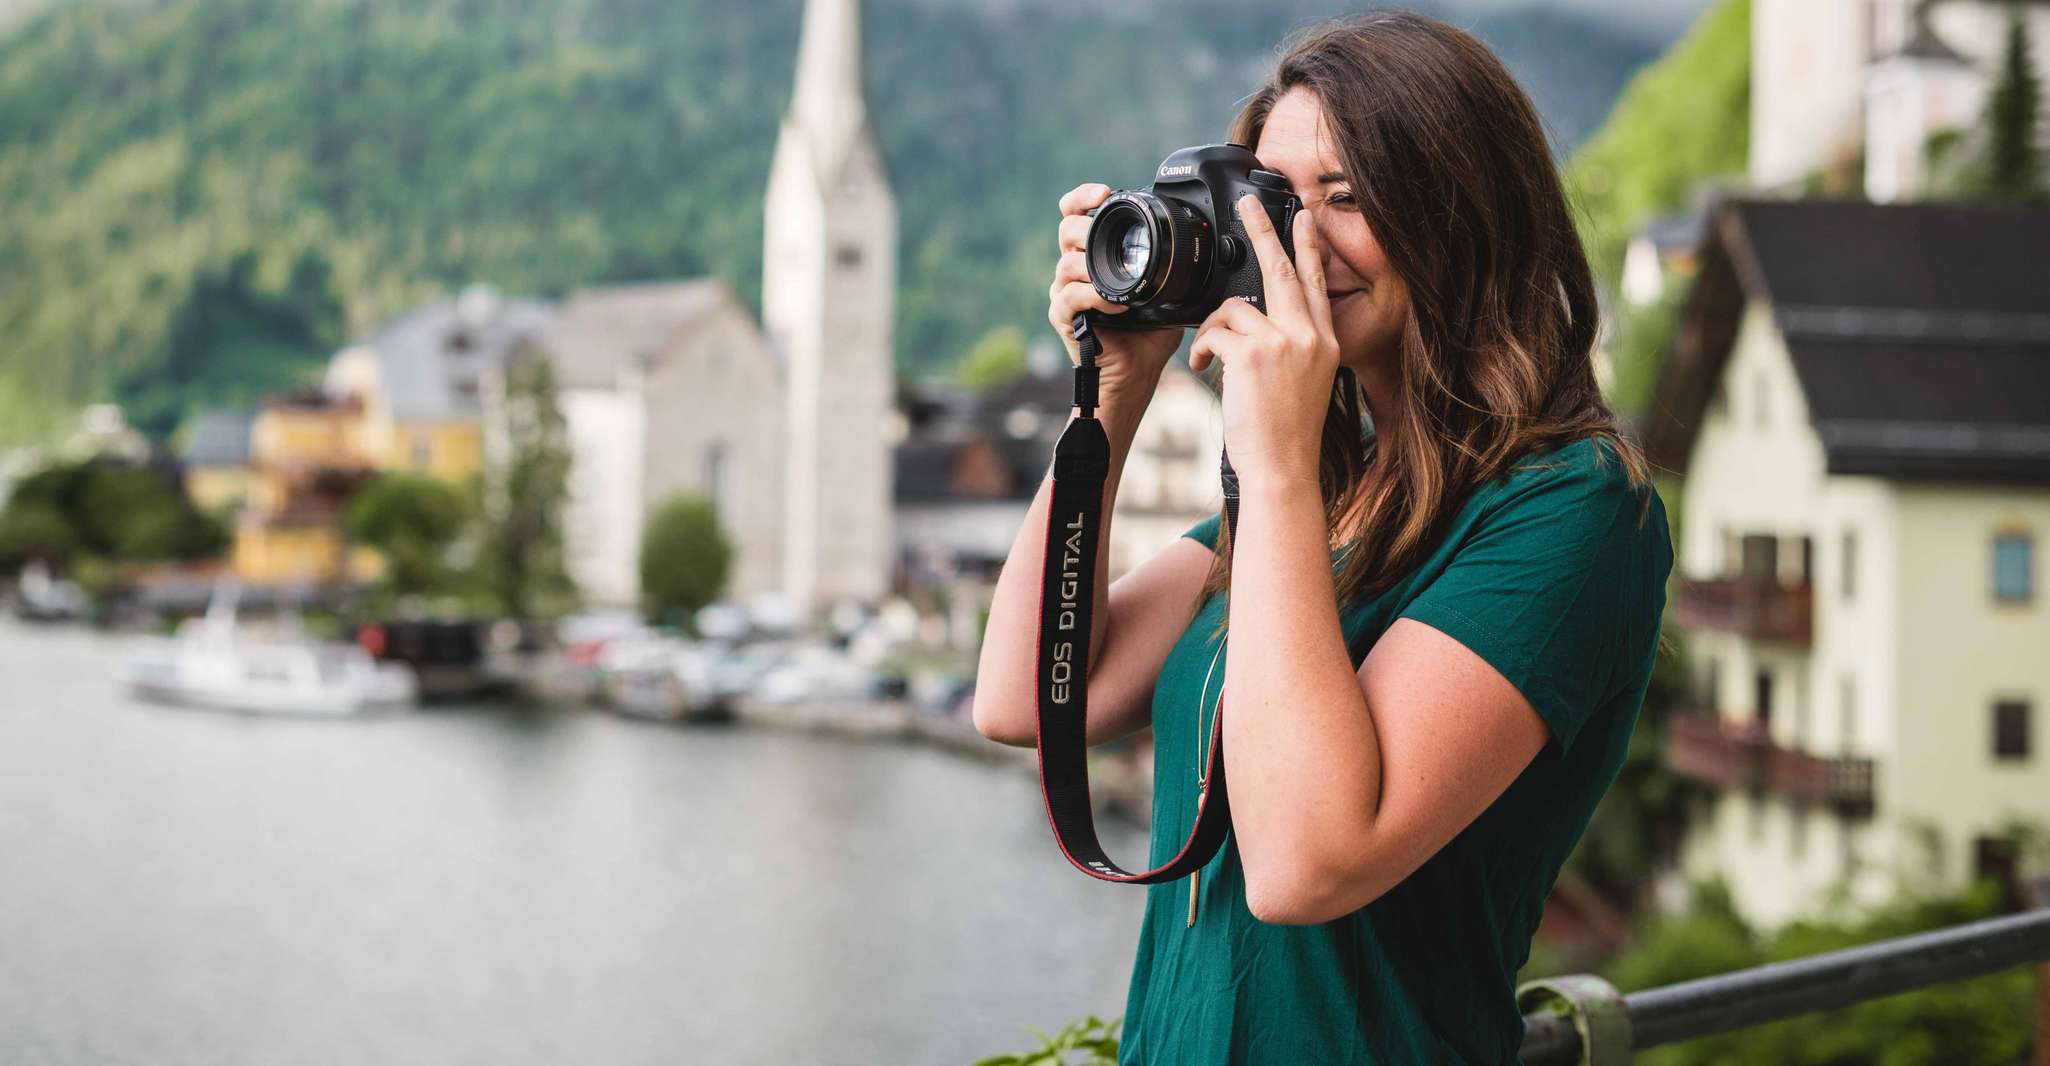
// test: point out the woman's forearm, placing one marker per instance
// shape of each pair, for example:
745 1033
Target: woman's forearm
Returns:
1006 674
1300 748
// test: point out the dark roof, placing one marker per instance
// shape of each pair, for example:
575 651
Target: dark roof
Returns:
1920 333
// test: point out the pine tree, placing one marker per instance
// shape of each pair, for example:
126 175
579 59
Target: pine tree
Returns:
526 489
2013 165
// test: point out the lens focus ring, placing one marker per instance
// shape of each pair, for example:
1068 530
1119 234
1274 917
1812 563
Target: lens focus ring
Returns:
1145 249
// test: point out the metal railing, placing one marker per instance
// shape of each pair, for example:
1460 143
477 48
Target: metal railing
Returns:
1583 1019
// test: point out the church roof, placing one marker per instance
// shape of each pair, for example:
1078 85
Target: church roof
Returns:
601 331
1918 332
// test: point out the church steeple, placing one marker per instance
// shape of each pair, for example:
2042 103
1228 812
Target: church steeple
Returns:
828 104
829 285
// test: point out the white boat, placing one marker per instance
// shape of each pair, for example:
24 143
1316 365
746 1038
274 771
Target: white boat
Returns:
213 662
659 677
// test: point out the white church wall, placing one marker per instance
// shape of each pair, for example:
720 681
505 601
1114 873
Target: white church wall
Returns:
603 518
716 392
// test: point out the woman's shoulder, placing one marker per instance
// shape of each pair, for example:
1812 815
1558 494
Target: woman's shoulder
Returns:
1587 469
1582 485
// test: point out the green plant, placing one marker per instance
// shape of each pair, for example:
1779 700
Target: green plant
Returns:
520 565
411 520
685 558
1093 1038
2013 168
996 359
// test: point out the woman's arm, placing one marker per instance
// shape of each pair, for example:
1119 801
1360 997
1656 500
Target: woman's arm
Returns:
1343 783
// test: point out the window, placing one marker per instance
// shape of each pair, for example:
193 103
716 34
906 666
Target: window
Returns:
847 256
423 450
2013 566
1762 708
1850 562
717 470
2011 730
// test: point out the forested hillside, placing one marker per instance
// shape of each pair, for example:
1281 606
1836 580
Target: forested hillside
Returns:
187 187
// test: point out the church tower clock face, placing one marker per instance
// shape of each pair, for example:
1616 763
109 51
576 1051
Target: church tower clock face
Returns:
828 301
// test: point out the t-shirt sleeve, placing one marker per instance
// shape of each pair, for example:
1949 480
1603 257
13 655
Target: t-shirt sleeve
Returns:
1205 531
1559 587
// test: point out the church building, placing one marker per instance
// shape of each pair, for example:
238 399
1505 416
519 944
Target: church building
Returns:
671 387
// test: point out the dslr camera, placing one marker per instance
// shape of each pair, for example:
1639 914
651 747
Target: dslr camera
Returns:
1174 252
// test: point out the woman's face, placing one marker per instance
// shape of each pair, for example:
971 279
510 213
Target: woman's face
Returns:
1368 301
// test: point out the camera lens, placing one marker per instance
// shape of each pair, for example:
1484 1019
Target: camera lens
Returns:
1145 248
1137 249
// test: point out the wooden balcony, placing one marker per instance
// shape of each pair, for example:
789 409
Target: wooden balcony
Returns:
1729 756
1749 606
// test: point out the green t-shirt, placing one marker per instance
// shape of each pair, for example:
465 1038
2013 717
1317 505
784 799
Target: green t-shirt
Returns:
1555 574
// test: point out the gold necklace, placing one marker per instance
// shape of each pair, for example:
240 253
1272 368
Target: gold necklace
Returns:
1203 761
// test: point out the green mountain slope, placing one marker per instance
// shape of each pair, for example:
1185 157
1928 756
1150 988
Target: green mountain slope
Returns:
1682 121
403 150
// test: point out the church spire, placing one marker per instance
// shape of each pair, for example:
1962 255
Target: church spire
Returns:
828 105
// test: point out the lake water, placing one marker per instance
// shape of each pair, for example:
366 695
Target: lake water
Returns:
485 886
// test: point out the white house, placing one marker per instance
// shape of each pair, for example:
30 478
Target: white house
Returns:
1859 399
1170 480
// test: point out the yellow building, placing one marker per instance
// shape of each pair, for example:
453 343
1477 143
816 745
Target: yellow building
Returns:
307 456
405 400
418 381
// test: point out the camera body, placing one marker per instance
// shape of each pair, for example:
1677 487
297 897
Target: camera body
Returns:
1174 252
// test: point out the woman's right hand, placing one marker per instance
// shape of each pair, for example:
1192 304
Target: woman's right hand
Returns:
1132 359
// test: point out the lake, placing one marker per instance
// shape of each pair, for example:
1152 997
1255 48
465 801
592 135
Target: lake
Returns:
485 885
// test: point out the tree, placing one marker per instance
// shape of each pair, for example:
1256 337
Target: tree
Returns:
685 557
104 509
998 358
2013 165
411 520
521 561
231 341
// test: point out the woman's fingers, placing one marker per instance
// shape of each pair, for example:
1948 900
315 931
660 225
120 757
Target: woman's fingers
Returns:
1081 198
1075 232
1234 314
1277 273
1069 298
1309 258
1216 345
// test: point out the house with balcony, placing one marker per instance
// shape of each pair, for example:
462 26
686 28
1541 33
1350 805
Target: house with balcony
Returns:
1858 398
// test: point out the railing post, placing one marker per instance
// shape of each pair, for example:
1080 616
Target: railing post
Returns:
1593 1007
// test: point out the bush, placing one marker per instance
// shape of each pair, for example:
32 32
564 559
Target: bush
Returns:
685 558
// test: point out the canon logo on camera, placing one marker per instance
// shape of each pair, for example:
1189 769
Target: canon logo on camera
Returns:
1177 172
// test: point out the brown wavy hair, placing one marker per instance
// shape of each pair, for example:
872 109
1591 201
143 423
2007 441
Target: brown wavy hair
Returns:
1448 162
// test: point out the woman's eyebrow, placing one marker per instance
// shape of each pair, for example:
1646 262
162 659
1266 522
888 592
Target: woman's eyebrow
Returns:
1330 177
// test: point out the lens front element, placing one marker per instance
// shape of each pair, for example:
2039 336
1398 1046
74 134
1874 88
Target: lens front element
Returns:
1138 250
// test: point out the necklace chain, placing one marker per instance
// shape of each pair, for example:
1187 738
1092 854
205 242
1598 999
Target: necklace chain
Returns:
1203 753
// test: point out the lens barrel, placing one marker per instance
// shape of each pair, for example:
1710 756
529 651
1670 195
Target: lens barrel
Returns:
1146 249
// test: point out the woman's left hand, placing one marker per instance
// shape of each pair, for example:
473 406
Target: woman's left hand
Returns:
1279 365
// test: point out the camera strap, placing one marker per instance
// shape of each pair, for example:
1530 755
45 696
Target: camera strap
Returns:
1081 463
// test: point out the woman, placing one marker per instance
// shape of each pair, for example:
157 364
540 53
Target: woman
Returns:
1419 723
